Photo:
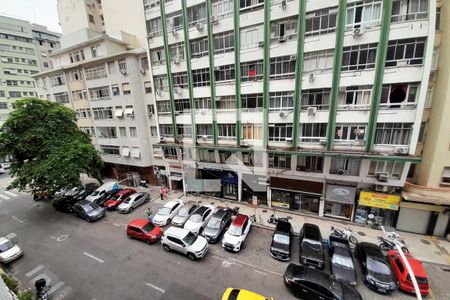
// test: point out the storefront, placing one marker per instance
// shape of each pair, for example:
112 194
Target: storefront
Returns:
339 201
254 189
377 208
229 182
294 194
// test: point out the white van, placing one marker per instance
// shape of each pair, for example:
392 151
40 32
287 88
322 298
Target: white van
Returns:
107 187
2 170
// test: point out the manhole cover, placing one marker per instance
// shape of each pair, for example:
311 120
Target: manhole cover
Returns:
361 233
425 242
264 210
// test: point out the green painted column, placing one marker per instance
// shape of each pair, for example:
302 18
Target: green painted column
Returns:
169 69
299 71
187 48
237 66
266 73
379 73
340 30
211 70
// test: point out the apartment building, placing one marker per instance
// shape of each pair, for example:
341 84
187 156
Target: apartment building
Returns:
312 106
18 61
75 15
46 42
106 82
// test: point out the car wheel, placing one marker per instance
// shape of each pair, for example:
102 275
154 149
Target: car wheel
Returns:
191 256
148 242
129 236
74 214
166 248
87 219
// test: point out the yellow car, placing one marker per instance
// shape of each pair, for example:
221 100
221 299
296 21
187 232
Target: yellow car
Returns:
238 294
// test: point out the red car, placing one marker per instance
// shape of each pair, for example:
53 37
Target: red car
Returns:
144 230
118 198
401 273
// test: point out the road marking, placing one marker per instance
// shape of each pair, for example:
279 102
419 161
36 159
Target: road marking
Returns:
4 197
62 238
11 194
93 257
17 219
55 287
155 287
116 224
262 270
34 271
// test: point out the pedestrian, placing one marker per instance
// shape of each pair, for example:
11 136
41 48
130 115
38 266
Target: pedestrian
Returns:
164 191
161 192
149 215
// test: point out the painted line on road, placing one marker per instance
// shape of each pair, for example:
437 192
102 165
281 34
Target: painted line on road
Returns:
93 257
261 270
55 287
17 219
116 224
34 271
155 287
4 197
11 194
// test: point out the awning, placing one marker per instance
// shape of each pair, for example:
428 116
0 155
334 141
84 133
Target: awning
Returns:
176 178
423 194
282 183
340 194
135 152
125 151
379 200
118 113
129 111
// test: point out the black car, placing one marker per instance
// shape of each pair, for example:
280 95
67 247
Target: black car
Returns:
85 191
88 210
281 245
105 196
65 201
217 225
311 284
341 262
376 271
311 248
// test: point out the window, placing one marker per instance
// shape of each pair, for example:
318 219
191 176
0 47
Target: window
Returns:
280 132
224 42
405 10
321 21
102 113
310 164
359 57
176 52
84 113
184 130
154 27
363 14
157 56
166 130
147 87
133 132
252 102
56 80
123 131
76 56
279 161
250 37
100 93
344 166
355 97
170 152
224 73
252 131
110 150
123 66
126 88
399 95
3 105
15 94
200 77
319 98
112 67
180 80
282 67
226 157
174 21
2 94
144 63
61 97
205 155
199 47
107 132
153 131
405 52
91 18
204 130
422 131
226 103
163 106
202 103
438 19
252 71
94 51
95 72
150 109
281 31
222 8
182 105
281 101
392 133
350 132
196 14
251 4
318 62
227 131
446 176
79 95
161 82
391 168
313 132
75 75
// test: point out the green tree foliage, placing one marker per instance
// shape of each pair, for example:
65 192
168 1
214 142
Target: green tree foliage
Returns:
48 150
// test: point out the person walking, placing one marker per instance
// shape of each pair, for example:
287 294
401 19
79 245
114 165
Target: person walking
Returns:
161 193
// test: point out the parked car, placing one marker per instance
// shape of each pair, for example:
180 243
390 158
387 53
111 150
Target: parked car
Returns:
133 201
401 273
216 226
6 164
9 250
88 211
234 237
2 170
183 214
185 242
104 197
280 247
113 202
197 221
166 213
85 191
311 248
240 294
341 263
375 269
109 186
64 203
311 284
144 230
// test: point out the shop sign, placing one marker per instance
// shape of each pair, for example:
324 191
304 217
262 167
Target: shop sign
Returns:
340 194
280 204
379 200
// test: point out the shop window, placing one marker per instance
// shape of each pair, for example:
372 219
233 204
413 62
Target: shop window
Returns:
310 164
338 209
345 166
446 176
280 161
392 169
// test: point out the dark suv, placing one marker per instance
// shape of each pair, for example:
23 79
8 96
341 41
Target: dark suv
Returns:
281 245
218 223
311 247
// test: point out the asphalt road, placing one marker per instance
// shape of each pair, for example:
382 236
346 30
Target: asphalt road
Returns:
97 261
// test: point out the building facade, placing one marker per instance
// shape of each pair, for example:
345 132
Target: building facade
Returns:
46 42
75 15
312 106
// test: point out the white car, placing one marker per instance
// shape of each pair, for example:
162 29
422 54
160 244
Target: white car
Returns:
184 241
6 165
198 220
166 213
9 250
234 237
2 170
107 187
132 202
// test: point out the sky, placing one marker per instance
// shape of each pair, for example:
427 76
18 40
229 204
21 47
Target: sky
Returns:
42 12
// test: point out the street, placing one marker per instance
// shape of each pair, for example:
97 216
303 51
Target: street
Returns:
97 261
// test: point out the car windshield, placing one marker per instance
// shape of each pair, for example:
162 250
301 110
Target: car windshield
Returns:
214 223
116 196
6 245
314 245
128 200
195 218
148 227
164 211
235 230
342 261
95 193
183 212
377 266
281 239
190 238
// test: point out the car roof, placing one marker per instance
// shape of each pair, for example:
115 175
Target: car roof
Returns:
139 223
84 203
172 203
201 210
121 192
220 212
284 226
175 231
311 275
3 239
372 249
240 219
415 264
344 251
135 195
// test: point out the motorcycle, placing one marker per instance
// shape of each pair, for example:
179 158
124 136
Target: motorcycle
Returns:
345 233
386 244
273 219
41 289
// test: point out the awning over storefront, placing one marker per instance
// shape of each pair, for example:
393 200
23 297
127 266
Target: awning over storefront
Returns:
313 187
379 200
340 194
257 183
434 196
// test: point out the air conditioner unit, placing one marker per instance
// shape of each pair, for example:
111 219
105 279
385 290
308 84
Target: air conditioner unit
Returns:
401 150
383 177
203 111
142 71
288 140
199 26
312 77
283 4
281 38
260 44
293 57
358 31
214 19
312 110
176 60
123 72
177 90
341 172
381 188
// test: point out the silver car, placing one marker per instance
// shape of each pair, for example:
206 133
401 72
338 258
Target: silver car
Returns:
185 242
183 214
132 202
9 250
